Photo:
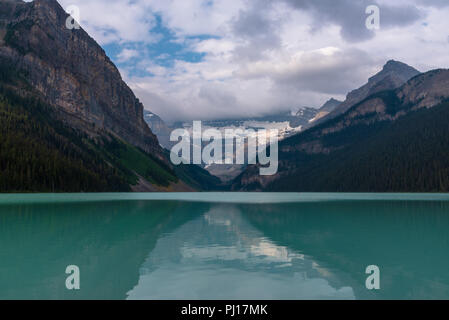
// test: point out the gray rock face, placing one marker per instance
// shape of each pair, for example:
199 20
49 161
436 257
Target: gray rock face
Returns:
427 90
327 108
330 105
393 75
159 128
71 72
423 91
302 117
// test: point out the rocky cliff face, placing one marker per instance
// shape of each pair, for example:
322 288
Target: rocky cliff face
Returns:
159 128
424 91
350 134
393 75
71 72
302 116
330 105
327 108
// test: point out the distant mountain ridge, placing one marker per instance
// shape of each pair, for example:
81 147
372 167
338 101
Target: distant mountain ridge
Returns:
288 123
327 108
330 105
393 75
295 118
393 140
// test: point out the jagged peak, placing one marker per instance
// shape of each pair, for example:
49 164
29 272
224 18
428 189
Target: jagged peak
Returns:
333 100
394 63
330 105
396 68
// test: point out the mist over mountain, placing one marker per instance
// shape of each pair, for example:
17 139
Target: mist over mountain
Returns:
70 123
393 140
330 105
393 75
287 124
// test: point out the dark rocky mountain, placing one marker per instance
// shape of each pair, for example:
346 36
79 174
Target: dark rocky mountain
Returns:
302 117
394 140
71 72
327 108
288 123
330 105
69 121
393 75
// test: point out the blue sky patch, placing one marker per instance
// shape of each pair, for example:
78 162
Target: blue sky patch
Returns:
164 52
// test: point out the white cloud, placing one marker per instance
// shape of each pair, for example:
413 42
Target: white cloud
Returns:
264 55
127 54
118 21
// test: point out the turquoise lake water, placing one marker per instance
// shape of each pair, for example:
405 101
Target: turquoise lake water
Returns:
224 245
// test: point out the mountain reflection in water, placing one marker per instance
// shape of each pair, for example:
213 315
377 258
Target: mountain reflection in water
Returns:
297 247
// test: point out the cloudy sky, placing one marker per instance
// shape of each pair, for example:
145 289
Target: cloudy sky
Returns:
206 59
